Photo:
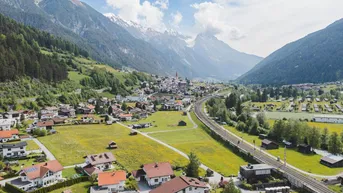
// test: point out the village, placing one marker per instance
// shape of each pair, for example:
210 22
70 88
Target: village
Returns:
30 165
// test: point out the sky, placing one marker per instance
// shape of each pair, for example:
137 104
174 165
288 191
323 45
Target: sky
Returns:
257 27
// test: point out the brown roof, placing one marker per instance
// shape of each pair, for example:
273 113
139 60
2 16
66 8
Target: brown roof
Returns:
110 178
138 173
158 169
45 123
125 115
177 184
90 170
101 158
39 170
8 134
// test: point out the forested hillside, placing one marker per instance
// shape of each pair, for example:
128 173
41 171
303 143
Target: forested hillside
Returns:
20 53
315 58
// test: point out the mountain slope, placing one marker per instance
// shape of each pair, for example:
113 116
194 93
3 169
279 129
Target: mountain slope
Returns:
209 57
81 24
314 58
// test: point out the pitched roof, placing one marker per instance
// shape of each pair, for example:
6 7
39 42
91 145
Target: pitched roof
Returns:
90 170
14 145
110 178
45 123
39 170
332 159
177 184
158 169
8 134
125 115
101 158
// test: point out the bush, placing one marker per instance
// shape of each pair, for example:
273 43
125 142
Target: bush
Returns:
131 184
246 186
40 132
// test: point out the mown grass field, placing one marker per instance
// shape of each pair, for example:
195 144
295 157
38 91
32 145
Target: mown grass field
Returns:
69 172
165 120
210 152
82 187
338 128
72 143
75 76
308 163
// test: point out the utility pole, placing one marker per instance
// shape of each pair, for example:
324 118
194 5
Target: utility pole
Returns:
285 157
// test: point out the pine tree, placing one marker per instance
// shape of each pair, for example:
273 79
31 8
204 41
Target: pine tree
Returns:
192 169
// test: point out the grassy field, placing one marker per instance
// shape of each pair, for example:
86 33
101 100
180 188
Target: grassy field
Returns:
210 152
336 188
69 173
23 164
165 120
338 128
308 163
72 143
77 188
75 76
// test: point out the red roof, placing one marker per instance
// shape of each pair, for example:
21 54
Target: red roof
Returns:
39 170
125 115
177 184
45 123
8 134
110 178
158 169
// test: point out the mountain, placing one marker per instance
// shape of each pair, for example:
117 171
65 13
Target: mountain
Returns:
315 58
84 26
206 57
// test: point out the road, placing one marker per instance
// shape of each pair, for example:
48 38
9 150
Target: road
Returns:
309 182
48 154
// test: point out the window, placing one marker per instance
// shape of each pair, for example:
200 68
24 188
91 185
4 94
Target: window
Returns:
9 149
21 148
156 180
190 188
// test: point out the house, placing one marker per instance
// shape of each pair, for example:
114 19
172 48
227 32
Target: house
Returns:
6 124
112 145
154 174
182 123
125 117
97 163
288 144
87 118
267 144
45 125
304 148
9 135
328 119
280 189
182 185
255 172
67 112
42 174
109 182
14 150
332 161
49 112
58 120
12 115
141 126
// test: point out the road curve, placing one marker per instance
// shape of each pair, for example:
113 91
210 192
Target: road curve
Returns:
308 182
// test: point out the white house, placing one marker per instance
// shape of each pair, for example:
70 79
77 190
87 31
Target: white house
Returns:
44 125
154 174
328 119
6 124
14 150
50 110
9 135
182 185
109 182
42 174
97 163
125 117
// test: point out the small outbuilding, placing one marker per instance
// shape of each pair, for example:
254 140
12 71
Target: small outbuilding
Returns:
332 161
304 148
112 145
182 123
267 144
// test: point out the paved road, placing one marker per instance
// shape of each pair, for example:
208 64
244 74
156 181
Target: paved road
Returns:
259 155
48 154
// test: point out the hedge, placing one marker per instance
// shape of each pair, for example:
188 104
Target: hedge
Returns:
62 185
13 189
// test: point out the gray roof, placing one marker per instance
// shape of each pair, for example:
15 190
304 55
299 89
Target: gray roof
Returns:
258 167
14 145
332 159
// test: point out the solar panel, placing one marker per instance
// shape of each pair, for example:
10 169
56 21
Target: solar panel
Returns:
32 169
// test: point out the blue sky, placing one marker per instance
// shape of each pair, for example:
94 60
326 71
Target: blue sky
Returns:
253 26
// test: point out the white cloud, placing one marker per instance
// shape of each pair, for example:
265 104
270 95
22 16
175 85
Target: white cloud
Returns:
145 13
261 27
176 19
163 4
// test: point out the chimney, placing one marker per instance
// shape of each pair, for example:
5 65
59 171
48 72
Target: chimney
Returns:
156 165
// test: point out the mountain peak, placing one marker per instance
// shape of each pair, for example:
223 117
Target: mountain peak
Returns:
77 2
